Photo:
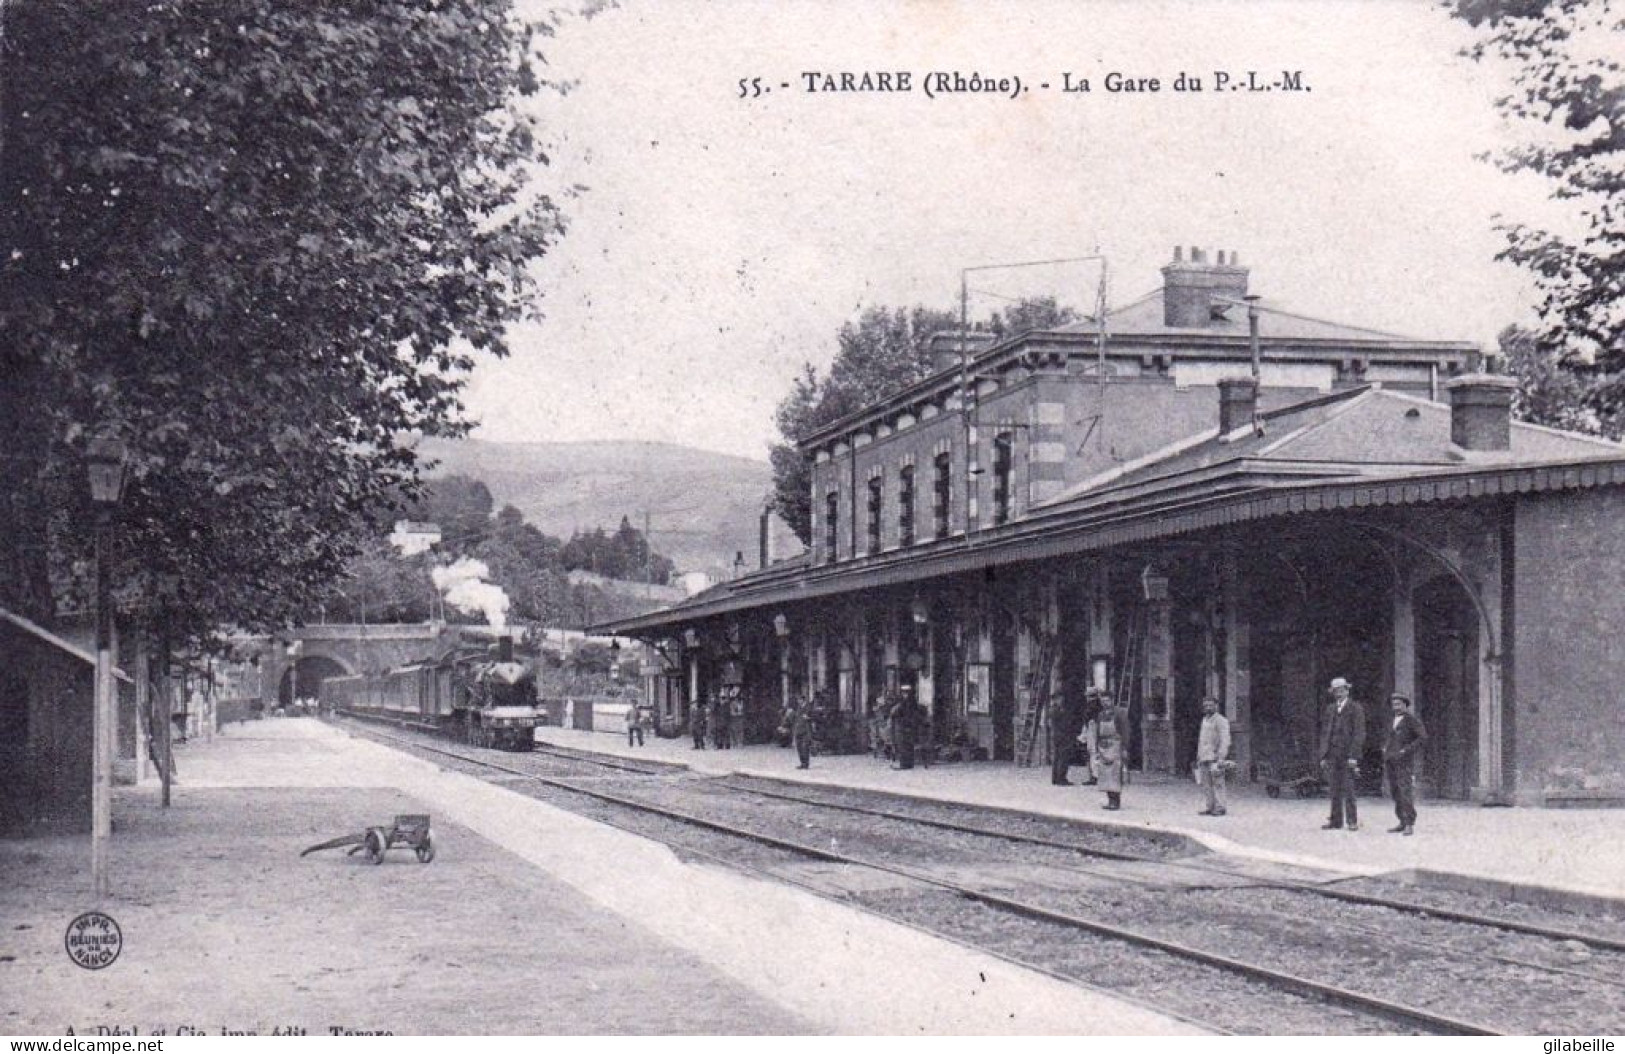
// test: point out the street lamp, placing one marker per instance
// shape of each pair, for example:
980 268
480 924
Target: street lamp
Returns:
105 460
294 649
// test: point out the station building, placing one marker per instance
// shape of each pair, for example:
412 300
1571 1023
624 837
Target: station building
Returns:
1201 493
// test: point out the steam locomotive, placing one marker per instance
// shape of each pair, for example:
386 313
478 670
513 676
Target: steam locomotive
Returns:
476 692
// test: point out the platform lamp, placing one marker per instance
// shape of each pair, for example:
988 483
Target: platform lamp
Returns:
169 588
1155 584
105 461
295 648
615 659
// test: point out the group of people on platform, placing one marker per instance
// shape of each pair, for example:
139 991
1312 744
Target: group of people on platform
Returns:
718 721
901 727
1093 731
1342 741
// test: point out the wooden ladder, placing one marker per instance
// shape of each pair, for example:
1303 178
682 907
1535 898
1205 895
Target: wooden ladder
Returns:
1038 684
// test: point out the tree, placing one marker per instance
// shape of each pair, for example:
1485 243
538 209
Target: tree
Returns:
1035 313
1568 91
460 506
259 242
883 351
624 555
1549 393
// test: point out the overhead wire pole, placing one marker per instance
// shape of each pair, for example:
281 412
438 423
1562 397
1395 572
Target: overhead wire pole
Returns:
967 400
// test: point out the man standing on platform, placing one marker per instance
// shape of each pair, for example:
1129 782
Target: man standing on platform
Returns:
1212 751
1342 738
905 726
696 723
801 732
1405 738
1066 721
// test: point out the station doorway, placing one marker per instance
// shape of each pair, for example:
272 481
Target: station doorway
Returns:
1447 671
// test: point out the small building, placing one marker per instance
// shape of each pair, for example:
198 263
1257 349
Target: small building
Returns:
47 701
1200 494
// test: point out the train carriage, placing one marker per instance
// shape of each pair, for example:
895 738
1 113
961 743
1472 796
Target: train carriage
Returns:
488 700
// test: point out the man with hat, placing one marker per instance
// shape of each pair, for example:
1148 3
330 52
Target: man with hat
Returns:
1342 738
1212 755
905 726
1405 738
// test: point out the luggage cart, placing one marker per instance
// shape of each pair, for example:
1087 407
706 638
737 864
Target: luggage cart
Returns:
409 831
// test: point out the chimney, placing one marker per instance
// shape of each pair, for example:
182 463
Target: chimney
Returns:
1238 403
764 539
1189 288
505 648
1481 411
947 345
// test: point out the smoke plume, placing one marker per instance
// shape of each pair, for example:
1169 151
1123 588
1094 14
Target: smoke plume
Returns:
464 587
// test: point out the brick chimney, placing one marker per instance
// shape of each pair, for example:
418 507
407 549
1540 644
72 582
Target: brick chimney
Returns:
1238 403
1189 288
1481 411
947 345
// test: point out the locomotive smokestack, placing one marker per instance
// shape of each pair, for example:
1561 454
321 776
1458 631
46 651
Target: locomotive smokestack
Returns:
505 648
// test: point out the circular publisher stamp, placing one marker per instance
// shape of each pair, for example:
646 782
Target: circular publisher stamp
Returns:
93 940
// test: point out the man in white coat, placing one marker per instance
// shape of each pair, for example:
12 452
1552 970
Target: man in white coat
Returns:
1212 750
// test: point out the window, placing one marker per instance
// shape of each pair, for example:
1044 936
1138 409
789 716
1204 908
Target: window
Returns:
905 506
1003 463
942 492
832 525
875 501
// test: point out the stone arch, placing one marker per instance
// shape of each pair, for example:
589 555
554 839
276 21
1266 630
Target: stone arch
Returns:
311 671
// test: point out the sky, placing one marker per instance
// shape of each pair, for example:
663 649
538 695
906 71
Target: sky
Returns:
717 243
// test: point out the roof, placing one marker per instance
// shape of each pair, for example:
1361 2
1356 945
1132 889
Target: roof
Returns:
1144 317
1139 323
58 642
1361 433
1366 448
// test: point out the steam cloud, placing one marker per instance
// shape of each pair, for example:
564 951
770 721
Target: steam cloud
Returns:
464 587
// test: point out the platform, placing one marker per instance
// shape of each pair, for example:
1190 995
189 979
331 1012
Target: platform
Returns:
530 920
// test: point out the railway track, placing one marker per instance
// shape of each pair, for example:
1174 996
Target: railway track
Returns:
1057 919
917 812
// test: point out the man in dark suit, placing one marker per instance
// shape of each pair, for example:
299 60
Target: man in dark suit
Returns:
1066 721
1400 750
801 732
1342 738
905 726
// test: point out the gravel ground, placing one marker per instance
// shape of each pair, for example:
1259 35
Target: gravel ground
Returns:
225 927
1086 836
1301 938
1218 999
1611 927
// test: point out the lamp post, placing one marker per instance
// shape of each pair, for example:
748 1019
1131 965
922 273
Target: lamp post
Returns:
294 650
169 586
105 460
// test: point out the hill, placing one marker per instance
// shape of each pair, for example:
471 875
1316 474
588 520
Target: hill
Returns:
702 507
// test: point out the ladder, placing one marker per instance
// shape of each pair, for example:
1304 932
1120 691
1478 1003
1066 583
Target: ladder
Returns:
1038 685
1129 672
